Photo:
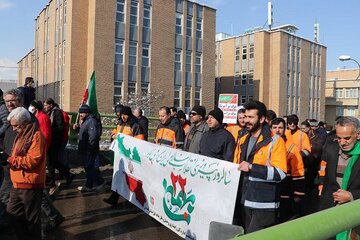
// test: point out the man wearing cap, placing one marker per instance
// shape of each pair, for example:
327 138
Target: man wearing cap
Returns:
88 149
217 142
169 132
197 129
130 127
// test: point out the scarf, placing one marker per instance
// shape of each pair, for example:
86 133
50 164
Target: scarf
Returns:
24 139
354 153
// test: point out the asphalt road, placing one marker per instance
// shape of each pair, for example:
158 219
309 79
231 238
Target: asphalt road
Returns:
87 217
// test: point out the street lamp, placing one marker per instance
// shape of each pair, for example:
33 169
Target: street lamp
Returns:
344 58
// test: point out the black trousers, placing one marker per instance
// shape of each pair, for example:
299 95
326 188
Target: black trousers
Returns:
257 219
24 210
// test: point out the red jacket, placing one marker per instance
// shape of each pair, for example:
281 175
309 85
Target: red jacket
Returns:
45 127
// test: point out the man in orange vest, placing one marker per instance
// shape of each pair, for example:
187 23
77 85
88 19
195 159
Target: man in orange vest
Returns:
293 186
263 165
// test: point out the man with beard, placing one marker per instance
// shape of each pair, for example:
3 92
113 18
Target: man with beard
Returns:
263 165
217 142
293 186
197 129
169 132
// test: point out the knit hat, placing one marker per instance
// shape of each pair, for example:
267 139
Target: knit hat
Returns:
181 114
37 104
126 110
217 114
84 109
199 110
118 108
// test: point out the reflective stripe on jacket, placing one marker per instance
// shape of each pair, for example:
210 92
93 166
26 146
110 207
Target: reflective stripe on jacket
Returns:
268 158
170 134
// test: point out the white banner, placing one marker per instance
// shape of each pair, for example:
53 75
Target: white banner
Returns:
183 191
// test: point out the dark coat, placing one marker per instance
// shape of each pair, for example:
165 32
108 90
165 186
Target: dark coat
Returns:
218 143
144 123
89 136
331 156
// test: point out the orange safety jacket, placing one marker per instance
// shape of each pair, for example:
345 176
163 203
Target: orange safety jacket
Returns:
295 177
170 134
268 159
234 130
301 140
130 128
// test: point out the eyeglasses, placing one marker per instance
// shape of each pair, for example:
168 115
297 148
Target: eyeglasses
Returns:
193 113
291 123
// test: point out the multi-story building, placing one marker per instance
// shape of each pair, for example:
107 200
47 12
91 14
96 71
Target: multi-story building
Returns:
277 67
342 94
161 49
26 67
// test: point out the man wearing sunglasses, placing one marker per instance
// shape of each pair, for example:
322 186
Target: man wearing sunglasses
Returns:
197 129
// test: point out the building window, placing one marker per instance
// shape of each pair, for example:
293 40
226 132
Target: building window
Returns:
198 69
198 28
242 99
251 79
188 69
177 96
178 23
338 93
179 6
351 93
237 54
187 99
244 52
119 51
132 53
243 79
189 25
339 111
197 96
131 88
251 51
190 8
120 10
178 59
145 55
134 12
351 111
199 13
147 17
236 79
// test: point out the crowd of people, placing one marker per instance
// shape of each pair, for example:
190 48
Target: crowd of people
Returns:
288 170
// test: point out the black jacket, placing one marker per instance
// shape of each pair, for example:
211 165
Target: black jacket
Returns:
89 136
218 143
144 123
57 126
330 185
